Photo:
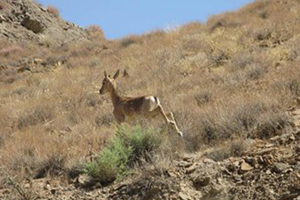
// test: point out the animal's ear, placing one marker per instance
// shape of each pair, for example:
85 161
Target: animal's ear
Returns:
125 73
117 74
105 74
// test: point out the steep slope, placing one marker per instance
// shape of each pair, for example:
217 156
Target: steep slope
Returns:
232 83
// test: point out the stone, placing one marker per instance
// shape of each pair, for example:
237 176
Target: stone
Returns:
32 24
184 164
2 19
182 196
201 180
37 61
246 167
280 167
192 168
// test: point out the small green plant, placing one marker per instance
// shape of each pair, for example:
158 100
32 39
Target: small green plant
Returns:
129 145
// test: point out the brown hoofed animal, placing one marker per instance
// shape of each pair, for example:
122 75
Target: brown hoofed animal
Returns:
127 107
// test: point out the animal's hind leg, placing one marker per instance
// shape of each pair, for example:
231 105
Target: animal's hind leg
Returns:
162 112
168 121
170 115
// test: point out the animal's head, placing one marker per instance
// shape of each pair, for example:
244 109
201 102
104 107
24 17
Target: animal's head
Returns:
108 82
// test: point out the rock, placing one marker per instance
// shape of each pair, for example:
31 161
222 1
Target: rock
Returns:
264 151
182 196
245 166
297 148
184 164
192 168
2 19
172 173
290 196
37 61
32 24
85 180
280 167
252 161
260 160
200 180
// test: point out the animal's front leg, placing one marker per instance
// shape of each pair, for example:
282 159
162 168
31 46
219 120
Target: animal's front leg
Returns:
119 117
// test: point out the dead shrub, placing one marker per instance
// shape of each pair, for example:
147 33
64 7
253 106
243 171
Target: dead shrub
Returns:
31 117
271 124
129 40
228 149
263 14
290 87
24 160
47 41
262 34
194 44
104 120
241 59
191 28
235 118
95 32
155 35
224 21
53 166
10 50
53 10
255 71
203 98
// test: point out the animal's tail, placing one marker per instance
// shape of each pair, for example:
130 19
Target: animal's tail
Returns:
156 100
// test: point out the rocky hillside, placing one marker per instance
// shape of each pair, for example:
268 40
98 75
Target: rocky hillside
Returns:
27 21
232 83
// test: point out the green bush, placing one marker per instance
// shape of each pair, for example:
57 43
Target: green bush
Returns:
129 145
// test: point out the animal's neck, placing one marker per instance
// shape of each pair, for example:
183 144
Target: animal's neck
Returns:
115 97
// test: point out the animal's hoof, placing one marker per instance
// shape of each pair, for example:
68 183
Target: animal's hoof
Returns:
180 134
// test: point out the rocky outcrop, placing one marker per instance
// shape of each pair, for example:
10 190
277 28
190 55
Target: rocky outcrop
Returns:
26 21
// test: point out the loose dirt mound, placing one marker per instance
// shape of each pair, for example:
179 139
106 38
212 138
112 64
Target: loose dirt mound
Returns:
24 20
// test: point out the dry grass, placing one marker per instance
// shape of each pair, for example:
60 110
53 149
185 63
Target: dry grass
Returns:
53 10
96 32
231 78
